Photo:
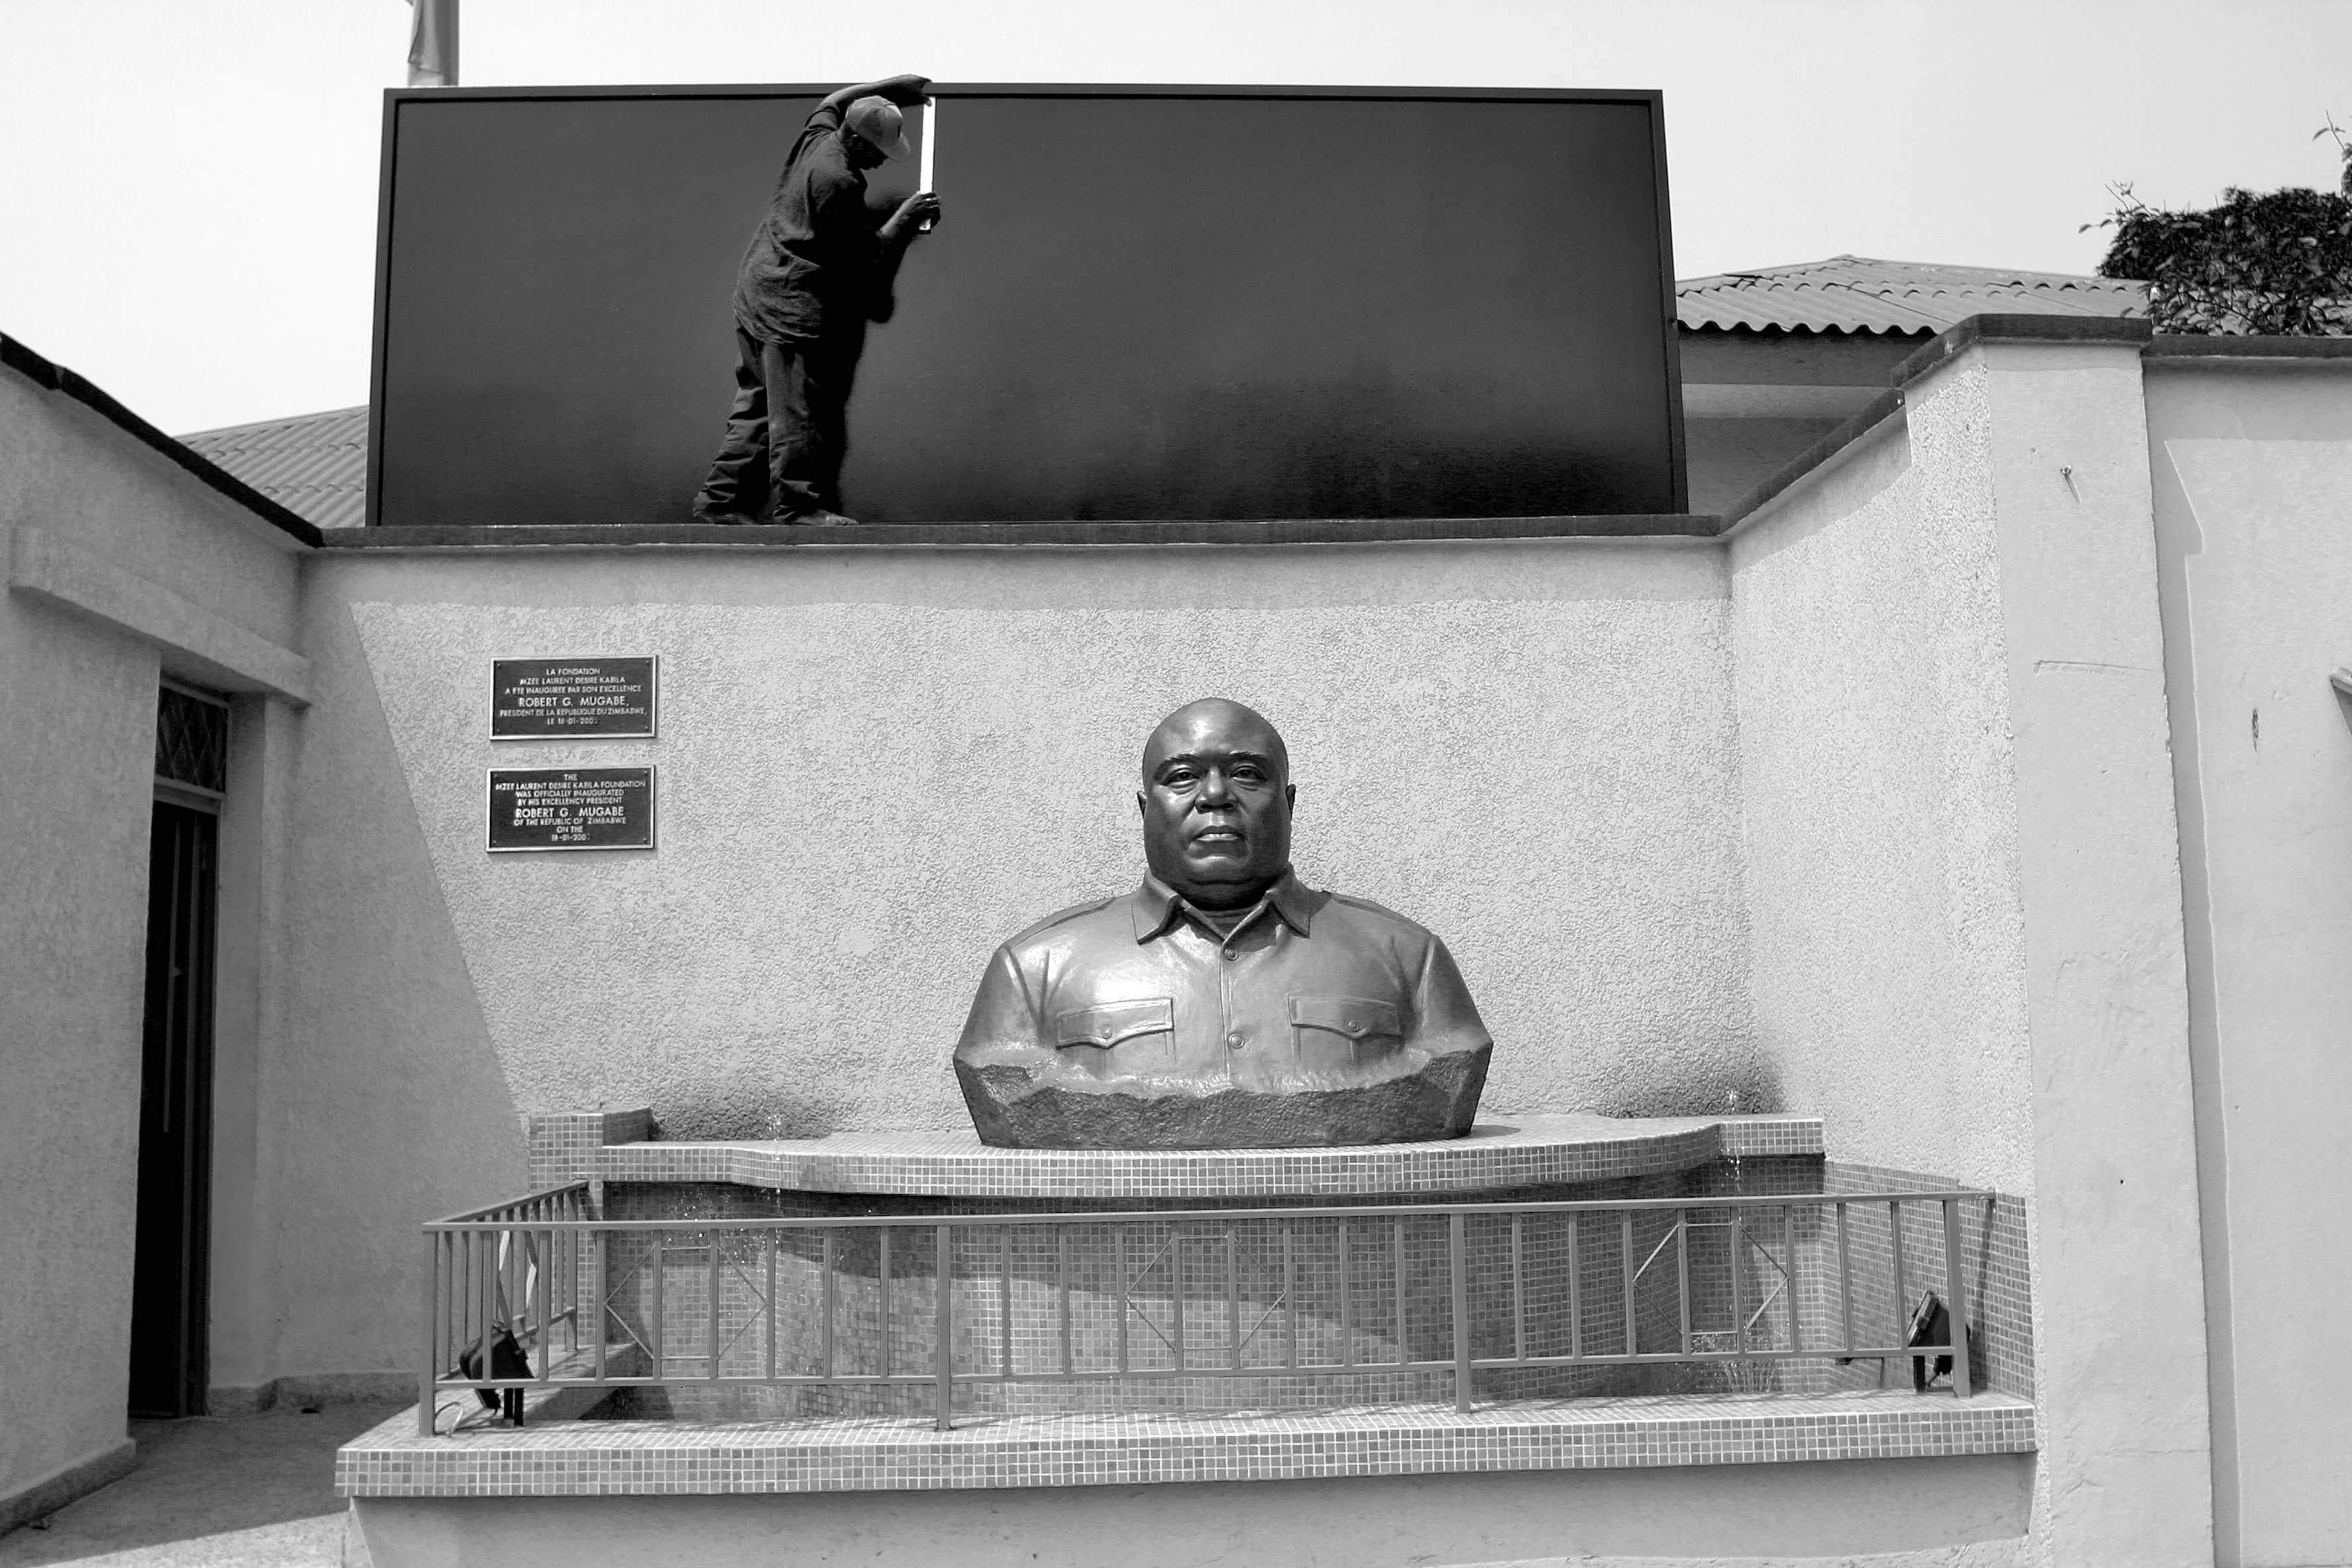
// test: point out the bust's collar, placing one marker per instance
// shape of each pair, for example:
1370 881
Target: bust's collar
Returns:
1158 906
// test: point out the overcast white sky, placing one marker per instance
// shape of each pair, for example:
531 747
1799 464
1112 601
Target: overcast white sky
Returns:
187 187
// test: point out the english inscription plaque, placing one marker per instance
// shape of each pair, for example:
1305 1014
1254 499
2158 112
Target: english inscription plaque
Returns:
552 698
571 808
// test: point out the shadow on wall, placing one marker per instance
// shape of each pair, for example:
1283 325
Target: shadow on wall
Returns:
745 1111
1755 1092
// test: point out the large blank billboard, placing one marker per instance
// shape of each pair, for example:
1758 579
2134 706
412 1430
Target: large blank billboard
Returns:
1140 304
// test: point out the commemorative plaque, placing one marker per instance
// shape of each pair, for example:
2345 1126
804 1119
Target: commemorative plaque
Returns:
567 699
571 808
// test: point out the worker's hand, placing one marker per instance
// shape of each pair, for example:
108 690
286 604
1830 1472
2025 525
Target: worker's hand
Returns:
910 214
904 90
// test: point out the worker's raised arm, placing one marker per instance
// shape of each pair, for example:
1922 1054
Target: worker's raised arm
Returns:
903 90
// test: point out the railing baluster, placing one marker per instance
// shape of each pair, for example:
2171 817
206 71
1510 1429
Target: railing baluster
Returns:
1956 1300
1902 1289
659 1347
1396 1282
828 1286
1118 1267
767 1256
546 1290
1347 1303
1738 1298
1290 1290
1519 1289
424 1376
1796 1306
884 1289
1632 1340
1458 1259
713 1314
1176 1286
1845 1277
604 1303
1682 1272
1575 1289
943 1356
1062 1274
1234 1295
1005 1299
489 1273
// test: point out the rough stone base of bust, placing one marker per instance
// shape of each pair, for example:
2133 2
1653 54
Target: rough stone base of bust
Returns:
1440 1101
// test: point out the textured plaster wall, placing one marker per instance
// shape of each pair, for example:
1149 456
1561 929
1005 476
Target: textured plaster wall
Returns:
2252 470
1879 806
77 769
1963 884
877 765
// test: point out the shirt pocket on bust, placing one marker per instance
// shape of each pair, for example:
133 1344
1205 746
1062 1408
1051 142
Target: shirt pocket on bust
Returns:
1112 1024
1344 1031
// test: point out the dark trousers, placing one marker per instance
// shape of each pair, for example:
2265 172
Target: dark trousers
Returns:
788 429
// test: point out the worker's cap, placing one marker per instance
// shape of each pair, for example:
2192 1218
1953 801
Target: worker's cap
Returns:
879 120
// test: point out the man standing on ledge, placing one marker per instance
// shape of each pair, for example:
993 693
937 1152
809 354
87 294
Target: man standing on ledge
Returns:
817 271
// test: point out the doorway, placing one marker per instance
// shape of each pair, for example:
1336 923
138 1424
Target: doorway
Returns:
170 1294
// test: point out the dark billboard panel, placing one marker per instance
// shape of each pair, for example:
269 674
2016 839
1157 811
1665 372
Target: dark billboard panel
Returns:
1140 304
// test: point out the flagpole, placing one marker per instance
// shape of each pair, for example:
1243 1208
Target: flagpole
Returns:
433 43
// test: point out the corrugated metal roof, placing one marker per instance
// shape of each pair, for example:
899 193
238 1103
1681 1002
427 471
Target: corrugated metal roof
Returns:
1859 294
314 464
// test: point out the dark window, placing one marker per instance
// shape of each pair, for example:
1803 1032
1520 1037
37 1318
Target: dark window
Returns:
191 740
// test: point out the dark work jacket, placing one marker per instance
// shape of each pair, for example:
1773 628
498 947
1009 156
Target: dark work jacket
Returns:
816 267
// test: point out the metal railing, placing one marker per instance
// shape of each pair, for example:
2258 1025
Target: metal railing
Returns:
1439 1290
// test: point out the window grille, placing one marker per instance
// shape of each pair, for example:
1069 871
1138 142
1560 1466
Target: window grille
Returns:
191 740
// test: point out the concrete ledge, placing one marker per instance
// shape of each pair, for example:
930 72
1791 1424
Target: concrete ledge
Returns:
1955 341
1969 1512
45 567
1025 535
62 1485
2174 348
1503 1153
609 1458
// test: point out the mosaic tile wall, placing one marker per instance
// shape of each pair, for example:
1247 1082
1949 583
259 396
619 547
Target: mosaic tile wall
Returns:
564 1147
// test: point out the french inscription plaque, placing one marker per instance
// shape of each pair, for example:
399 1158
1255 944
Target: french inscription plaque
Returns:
571 808
551 698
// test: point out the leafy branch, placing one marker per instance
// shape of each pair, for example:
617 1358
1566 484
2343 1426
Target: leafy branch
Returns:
2278 263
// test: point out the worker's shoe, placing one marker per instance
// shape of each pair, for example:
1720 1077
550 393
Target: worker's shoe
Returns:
726 519
819 518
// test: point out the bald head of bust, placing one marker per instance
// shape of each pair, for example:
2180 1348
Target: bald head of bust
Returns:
1216 803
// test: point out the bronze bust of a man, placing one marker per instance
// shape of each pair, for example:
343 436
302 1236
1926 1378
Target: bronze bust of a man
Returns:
1223 1004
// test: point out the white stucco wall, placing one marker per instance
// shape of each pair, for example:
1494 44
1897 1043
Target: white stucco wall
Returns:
1879 804
116 523
2253 469
876 766
1963 887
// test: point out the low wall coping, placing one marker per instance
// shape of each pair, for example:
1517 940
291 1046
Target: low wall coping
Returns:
607 1458
1020 535
1503 1152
